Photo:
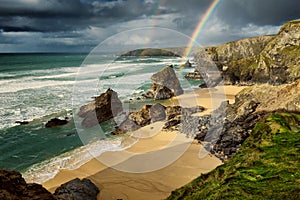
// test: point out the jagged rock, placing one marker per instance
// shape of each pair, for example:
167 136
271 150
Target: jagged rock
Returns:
165 84
172 122
142 117
157 113
103 108
162 92
56 122
251 105
172 111
77 189
13 187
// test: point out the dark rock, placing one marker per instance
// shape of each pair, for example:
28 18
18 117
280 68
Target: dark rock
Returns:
173 122
172 111
157 113
22 122
77 189
203 85
103 108
56 122
14 187
163 92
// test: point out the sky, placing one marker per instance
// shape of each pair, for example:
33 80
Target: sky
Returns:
81 25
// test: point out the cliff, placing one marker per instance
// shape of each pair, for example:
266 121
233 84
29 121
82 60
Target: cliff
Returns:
270 59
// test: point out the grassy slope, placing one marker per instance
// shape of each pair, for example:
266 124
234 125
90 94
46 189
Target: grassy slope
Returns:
267 166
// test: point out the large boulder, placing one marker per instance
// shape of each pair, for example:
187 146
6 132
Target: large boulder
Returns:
77 189
101 109
56 122
165 84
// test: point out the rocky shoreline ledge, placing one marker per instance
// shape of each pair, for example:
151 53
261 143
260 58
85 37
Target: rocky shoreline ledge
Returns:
14 187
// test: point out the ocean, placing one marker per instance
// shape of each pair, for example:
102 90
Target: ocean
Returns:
38 87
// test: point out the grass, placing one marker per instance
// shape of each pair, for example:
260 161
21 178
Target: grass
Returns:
266 167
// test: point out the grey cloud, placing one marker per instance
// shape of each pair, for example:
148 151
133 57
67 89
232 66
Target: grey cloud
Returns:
258 12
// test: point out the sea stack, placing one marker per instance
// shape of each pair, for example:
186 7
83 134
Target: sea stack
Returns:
101 109
165 84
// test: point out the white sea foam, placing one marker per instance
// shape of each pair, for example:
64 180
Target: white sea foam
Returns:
41 172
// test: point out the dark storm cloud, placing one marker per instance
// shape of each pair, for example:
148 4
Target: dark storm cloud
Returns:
49 24
59 15
259 12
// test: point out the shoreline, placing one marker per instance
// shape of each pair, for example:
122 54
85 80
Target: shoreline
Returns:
157 184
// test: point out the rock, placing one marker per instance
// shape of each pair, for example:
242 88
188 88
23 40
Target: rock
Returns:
193 75
56 122
187 64
142 117
103 108
162 92
165 84
172 111
157 113
77 189
172 122
22 122
13 187
126 126
203 85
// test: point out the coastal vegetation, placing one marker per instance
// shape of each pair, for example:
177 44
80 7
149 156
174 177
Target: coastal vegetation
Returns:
266 167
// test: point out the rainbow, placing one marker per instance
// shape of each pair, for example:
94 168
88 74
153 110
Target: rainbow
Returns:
199 27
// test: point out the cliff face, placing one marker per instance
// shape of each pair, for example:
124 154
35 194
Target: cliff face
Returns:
266 59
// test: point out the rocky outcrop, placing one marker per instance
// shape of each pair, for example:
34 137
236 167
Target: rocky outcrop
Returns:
101 109
77 189
165 84
56 122
279 61
231 124
153 113
14 187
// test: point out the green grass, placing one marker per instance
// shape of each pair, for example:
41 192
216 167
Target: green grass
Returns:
266 167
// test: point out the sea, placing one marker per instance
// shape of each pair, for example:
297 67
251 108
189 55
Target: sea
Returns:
37 87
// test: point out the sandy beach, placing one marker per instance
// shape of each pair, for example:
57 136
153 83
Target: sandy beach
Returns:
158 163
